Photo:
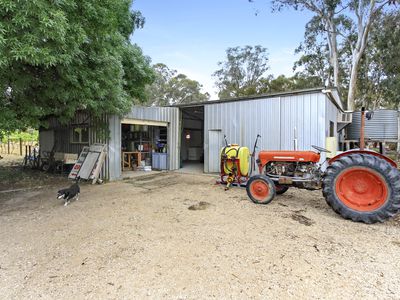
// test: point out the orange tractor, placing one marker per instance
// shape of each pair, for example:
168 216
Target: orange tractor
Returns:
360 185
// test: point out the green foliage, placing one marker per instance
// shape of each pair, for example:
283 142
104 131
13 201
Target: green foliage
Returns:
242 71
171 88
185 90
26 136
337 38
61 56
314 60
138 73
378 76
287 84
380 69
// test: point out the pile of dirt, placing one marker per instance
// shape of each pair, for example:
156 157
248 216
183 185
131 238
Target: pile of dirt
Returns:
202 205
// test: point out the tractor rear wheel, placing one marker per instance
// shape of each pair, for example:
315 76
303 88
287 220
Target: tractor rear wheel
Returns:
281 188
363 188
260 189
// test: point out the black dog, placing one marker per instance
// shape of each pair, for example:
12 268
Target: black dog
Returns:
69 193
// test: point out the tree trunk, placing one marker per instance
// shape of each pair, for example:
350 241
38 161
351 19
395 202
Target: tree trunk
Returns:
335 65
365 14
358 50
333 51
352 88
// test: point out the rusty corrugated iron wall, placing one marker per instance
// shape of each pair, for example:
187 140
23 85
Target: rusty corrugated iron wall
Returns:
98 133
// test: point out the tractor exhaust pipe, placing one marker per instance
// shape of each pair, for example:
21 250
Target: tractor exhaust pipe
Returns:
362 128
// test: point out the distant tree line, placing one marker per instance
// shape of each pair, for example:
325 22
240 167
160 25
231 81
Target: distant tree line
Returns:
245 73
171 87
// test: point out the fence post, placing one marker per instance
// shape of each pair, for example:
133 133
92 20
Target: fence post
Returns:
8 144
20 146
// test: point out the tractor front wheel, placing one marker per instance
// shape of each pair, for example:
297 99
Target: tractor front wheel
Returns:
260 189
363 188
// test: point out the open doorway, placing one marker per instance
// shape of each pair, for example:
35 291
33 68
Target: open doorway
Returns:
144 147
192 139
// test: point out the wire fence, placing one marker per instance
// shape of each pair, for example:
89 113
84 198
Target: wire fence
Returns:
18 147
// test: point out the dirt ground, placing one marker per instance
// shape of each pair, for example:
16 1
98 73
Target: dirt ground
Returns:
150 237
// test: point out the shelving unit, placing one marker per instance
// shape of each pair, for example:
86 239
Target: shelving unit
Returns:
163 135
145 140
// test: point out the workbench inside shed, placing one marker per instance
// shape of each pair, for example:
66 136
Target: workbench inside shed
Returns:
143 147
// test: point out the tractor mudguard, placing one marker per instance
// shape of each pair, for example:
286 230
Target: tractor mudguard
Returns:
356 151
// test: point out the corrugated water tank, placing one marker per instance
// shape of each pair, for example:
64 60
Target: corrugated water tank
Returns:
382 126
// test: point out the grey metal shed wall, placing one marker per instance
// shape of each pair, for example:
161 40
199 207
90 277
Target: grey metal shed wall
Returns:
171 115
306 112
274 119
382 126
331 116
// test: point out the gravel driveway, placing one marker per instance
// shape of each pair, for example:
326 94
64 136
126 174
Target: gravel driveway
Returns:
180 236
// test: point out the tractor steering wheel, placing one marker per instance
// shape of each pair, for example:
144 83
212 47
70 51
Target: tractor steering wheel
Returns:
320 149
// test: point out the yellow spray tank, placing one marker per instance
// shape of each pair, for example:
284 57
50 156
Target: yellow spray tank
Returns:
234 163
235 152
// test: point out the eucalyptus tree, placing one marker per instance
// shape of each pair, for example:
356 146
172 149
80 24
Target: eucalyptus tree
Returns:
342 22
171 87
241 72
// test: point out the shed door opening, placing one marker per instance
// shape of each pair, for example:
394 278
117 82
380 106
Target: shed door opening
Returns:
144 147
192 139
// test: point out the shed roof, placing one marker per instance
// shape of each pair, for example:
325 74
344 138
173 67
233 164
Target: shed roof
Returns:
332 94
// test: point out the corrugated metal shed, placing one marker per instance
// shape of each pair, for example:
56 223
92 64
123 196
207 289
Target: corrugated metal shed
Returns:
382 126
98 134
275 119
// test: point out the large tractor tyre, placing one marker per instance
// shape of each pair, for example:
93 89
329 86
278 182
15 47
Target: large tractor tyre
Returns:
281 188
260 189
362 188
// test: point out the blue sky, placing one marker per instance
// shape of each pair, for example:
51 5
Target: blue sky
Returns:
192 36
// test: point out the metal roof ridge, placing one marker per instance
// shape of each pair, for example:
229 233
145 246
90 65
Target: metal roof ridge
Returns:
256 97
